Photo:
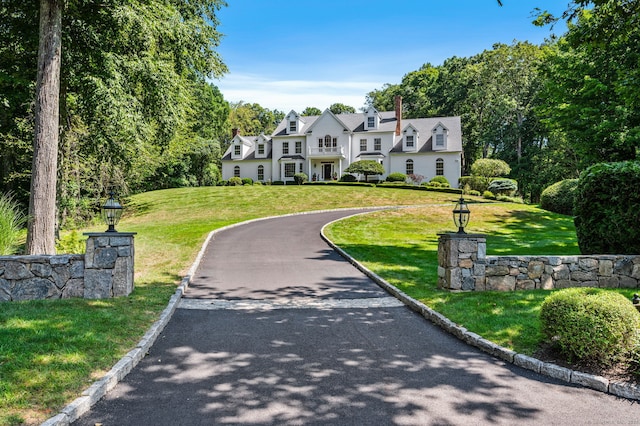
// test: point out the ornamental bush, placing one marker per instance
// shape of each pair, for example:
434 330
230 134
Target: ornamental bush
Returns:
348 177
300 178
559 197
607 208
590 324
234 181
247 181
12 220
444 183
396 177
506 187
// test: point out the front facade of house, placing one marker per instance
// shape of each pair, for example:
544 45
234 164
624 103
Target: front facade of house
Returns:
323 146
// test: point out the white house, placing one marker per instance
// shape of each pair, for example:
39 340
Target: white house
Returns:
323 146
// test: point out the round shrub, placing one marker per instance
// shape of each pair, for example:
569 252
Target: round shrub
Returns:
234 181
488 195
559 197
300 178
506 187
347 177
444 183
606 208
590 325
396 177
247 181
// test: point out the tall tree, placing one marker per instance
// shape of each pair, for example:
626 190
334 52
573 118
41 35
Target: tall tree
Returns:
339 108
42 199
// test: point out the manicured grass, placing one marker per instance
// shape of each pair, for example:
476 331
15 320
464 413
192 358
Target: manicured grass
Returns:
401 246
51 350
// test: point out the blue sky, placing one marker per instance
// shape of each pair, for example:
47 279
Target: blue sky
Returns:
290 54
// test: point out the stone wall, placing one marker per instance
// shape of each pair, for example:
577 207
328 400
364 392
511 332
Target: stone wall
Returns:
464 265
105 270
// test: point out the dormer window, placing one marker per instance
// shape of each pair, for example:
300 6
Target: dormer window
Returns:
439 134
237 150
409 141
261 149
372 119
293 123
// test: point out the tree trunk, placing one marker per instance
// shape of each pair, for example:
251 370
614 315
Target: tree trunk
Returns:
42 199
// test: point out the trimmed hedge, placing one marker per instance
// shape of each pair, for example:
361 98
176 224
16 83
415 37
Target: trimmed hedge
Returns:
607 209
590 324
396 177
559 197
234 181
441 180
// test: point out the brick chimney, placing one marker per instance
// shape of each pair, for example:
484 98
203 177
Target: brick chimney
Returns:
398 100
234 132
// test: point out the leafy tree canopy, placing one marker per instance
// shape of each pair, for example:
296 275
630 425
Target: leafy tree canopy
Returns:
366 168
339 108
308 111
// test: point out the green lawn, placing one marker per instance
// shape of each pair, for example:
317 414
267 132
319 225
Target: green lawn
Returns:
51 350
401 246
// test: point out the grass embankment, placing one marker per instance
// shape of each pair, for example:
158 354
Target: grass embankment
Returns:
401 246
51 350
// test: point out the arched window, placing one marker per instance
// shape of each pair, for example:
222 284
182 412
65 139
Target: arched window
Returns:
236 171
409 167
439 167
261 173
327 141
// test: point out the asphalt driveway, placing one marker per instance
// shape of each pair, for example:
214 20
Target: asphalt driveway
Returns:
276 328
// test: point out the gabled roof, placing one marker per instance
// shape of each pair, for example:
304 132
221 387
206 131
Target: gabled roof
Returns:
424 126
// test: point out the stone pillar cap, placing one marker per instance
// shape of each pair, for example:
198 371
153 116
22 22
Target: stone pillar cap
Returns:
109 234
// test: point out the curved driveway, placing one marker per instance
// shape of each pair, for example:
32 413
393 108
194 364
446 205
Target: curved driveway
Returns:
276 328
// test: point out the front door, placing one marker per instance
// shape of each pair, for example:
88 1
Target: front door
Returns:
326 171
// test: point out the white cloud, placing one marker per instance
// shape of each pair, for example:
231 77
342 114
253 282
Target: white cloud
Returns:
285 95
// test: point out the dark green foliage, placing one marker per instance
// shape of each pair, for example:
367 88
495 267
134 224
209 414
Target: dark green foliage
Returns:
234 181
300 178
488 195
475 183
366 168
506 187
607 208
559 197
277 182
444 183
397 177
348 177
247 181
590 325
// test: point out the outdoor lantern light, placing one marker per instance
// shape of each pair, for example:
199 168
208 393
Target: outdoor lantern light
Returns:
111 212
461 215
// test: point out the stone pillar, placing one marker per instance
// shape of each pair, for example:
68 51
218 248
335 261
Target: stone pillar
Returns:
461 261
108 265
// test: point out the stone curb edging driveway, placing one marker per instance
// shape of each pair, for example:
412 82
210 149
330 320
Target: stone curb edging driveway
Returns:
100 388
602 384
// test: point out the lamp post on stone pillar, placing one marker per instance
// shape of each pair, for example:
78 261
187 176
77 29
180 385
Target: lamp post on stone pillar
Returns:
109 257
461 256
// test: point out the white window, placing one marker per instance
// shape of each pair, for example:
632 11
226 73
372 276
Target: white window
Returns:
409 139
300 168
285 148
292 126
377 144
327 141
363 145
236 171
371 122
261 149
439 167
335 142
439 139
298 147
409 167
236 150
320 142
261 172
289 170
